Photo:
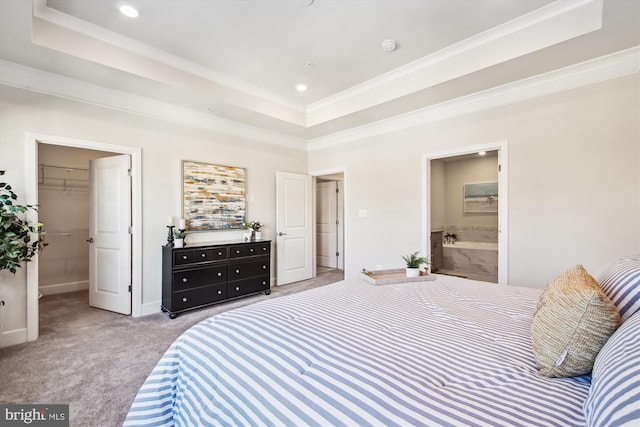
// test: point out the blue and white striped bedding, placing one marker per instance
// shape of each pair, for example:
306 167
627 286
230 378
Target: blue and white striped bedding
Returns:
445 352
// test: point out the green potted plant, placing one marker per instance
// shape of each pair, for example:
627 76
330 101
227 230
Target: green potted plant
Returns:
414 261
16 244
255 226
178 236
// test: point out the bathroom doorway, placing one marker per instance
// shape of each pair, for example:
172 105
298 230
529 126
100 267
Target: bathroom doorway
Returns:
465 211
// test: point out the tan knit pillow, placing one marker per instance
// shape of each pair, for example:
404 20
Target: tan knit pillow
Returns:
573 320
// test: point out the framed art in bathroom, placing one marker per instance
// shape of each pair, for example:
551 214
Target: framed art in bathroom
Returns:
214 197
480 197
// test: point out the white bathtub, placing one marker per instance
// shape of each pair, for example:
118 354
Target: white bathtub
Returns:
471 257
488 246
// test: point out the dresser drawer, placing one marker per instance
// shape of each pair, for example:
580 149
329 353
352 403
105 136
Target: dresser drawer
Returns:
183 300
210 273
185 279
193 256
248 286
252 249
242 270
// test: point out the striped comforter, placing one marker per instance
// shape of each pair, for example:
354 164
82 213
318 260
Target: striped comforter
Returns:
446 352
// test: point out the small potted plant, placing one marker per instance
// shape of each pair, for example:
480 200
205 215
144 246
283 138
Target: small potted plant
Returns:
179 236
255 226
414 261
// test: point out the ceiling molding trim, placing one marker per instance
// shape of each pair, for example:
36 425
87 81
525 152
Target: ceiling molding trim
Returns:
57 27
35 80
608 67
547 26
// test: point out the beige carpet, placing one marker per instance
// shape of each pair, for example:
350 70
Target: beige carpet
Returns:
95 360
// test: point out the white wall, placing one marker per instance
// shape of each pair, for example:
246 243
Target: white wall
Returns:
574 178
163 145
574 181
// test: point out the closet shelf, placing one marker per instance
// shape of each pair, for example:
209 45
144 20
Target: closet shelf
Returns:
59 177
68 233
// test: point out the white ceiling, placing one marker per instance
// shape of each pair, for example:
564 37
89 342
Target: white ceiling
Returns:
241 59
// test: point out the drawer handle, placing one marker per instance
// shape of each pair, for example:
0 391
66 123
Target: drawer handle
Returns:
264 267
219 292
185 280
219 274
237 288
237 271
219 253
203 255
237 251
264 282
184 299
184 257
251 250
264 249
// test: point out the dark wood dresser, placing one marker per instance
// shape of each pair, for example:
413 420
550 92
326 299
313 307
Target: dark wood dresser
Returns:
204 274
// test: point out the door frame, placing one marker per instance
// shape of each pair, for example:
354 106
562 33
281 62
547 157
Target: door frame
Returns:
345 229
31 183
332 226
503 202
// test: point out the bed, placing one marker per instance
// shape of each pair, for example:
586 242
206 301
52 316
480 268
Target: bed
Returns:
446 352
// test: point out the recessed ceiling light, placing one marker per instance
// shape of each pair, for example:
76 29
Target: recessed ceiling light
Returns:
128 10
301 87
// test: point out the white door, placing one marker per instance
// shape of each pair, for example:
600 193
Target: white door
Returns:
109 234
326 224
294 227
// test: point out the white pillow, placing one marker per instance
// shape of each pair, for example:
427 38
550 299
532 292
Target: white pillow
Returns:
614 396
620 281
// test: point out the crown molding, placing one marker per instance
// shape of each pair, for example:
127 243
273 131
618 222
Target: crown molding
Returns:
36 80
590 72
56 30
608 67
543 27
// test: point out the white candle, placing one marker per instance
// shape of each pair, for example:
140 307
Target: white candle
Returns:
183 224
170 221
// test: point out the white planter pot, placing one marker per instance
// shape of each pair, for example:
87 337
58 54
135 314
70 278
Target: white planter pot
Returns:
258 235
413 272
178 243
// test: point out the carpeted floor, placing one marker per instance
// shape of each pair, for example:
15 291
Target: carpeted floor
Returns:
95 360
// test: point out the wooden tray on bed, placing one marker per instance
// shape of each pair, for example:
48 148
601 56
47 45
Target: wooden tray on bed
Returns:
386 277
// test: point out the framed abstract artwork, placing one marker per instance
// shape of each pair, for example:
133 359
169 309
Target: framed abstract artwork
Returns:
481 197
214 196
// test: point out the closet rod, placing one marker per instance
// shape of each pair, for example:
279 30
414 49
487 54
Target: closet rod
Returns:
69 168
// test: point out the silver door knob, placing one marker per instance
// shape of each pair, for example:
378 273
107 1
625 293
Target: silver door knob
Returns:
282 234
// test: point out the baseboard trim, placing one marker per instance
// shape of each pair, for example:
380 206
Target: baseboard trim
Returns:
151 308
9 338
61 288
